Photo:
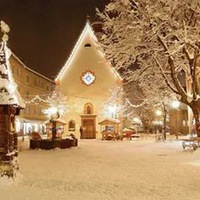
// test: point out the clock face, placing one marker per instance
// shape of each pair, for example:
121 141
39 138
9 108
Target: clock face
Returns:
88 77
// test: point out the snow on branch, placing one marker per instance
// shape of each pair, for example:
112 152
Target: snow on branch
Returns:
162 37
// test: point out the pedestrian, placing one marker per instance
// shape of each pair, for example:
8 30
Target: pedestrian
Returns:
81 132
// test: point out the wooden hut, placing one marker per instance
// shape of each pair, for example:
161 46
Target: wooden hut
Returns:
110 129
58 125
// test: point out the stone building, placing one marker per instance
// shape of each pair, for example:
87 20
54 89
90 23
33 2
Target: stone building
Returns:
30 83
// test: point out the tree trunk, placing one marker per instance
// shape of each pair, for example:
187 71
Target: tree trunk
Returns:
196 111
165 124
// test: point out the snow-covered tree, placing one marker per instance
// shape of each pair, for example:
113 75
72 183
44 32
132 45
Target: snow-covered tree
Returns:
57 104
154 95
160 36
115 105
57 108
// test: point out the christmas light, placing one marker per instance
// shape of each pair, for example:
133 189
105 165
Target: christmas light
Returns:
175 104
158 112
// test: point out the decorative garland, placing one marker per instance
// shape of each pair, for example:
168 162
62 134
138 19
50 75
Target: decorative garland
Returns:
36 99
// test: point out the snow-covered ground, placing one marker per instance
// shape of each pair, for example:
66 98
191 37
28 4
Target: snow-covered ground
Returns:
141 169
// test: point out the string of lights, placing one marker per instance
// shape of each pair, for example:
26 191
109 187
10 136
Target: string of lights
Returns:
36 99
46 99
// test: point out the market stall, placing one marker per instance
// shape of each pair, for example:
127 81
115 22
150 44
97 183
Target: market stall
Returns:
110 129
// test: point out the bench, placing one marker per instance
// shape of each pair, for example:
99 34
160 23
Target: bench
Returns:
191 143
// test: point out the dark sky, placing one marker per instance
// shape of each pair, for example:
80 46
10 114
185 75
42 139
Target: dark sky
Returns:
43 32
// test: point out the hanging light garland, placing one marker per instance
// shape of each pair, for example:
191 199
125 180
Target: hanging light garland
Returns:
37 99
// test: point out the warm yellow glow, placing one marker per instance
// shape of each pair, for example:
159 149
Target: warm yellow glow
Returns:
51 111
112 109
158 112
36 127
175 104
17 125
136 120
157 122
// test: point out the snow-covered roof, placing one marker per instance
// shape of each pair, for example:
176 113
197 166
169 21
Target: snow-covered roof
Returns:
9 94
127 129
109 121
31 70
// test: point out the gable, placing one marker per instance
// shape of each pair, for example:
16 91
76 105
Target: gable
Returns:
87 36
87 56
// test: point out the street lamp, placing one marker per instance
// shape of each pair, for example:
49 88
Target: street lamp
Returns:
158 112
136 120
158 123
175 104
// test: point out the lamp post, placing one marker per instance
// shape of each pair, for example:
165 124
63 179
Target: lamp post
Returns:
159 122
175 105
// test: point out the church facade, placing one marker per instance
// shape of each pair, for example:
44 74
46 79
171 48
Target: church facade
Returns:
86 79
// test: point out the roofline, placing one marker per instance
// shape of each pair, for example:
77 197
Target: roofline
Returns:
31 70
70 57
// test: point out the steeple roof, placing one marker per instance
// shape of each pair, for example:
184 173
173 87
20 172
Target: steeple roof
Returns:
86 30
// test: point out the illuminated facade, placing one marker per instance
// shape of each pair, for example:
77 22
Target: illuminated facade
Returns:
30 84
86 79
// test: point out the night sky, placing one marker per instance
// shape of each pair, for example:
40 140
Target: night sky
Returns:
43 32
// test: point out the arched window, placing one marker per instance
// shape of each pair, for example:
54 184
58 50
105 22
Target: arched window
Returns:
87 45
71 125
88 108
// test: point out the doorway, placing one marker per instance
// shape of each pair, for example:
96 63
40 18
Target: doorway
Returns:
88 123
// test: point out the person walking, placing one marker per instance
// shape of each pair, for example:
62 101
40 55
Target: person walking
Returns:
81 132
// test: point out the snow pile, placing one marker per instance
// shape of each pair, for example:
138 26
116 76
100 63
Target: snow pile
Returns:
6 181
108 170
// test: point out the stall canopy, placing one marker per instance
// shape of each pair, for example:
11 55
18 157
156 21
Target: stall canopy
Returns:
109 121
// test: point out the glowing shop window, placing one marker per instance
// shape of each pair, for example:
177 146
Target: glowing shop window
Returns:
88 77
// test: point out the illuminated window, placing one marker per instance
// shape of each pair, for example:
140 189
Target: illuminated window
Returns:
71 125
88 77
88 108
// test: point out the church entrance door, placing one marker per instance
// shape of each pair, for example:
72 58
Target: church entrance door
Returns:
88 123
